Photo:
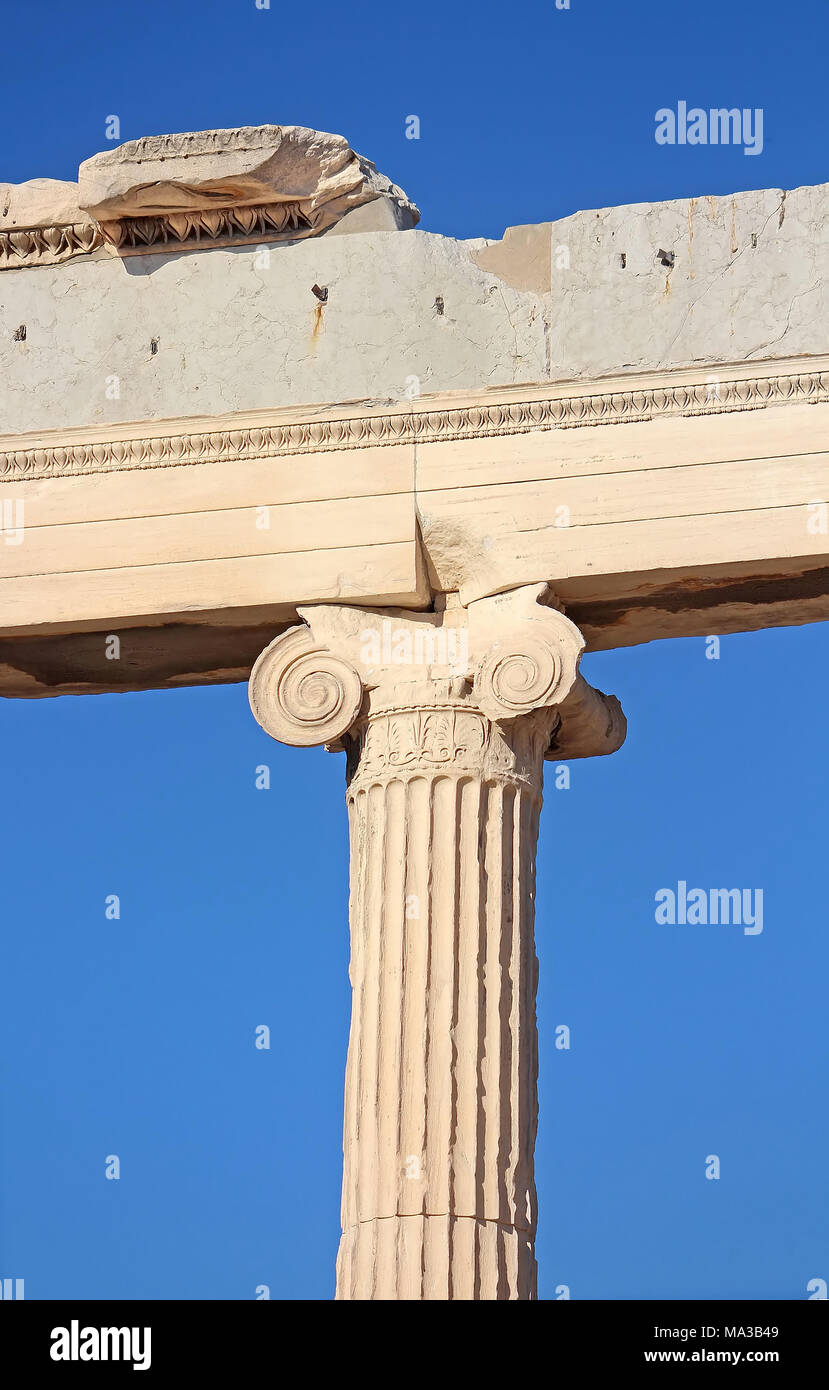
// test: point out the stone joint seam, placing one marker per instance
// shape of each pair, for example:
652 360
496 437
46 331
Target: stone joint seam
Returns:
440 1216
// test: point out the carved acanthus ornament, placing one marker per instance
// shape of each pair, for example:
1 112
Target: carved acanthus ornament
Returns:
221 225
48 245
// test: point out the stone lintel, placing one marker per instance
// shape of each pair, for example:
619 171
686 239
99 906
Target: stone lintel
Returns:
696 505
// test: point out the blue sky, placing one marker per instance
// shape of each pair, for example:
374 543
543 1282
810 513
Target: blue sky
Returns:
136 1037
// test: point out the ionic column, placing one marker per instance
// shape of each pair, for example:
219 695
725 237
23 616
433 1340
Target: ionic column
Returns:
446 720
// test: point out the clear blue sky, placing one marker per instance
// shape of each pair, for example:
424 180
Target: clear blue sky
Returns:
136 1037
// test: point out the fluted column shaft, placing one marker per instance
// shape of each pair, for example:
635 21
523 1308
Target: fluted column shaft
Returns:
441 1104
446 718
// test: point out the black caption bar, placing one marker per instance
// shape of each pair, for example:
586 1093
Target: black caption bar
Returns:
163 1340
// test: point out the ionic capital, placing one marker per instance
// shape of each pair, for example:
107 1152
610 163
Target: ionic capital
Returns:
504 657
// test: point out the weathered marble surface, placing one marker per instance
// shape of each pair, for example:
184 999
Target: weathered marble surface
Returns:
199 190
254 164
237 329
286 181
42 224
39 203
242 327
750 278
